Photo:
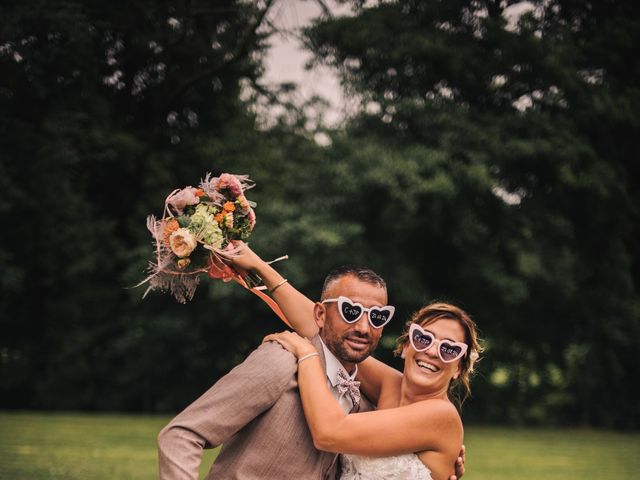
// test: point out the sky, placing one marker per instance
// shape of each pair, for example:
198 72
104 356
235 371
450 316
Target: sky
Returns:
285 61
287 56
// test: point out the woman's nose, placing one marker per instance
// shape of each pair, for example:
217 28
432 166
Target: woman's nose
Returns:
432 351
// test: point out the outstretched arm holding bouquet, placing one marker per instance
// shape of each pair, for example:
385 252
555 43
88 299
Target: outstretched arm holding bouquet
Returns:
296 306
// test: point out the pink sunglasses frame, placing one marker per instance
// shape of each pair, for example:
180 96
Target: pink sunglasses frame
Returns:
414 326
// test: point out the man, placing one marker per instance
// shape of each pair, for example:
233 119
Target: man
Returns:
255 410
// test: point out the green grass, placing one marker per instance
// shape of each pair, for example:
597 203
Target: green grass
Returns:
551 454
38 446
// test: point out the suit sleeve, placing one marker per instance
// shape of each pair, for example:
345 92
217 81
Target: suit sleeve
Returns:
231 403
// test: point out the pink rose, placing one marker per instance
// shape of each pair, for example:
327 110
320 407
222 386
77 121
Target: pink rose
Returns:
184 197
231 183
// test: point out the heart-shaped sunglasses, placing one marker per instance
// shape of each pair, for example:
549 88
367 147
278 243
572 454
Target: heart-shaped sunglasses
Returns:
422 340
351 311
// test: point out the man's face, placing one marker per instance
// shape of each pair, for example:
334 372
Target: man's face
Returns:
350 342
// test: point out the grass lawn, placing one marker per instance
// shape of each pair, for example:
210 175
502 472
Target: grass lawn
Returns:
551 454
38 446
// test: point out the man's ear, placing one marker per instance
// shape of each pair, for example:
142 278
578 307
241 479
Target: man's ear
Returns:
320 314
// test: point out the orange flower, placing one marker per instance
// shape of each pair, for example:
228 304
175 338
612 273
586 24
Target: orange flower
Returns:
218 218
199 193
183 263
170 226
229 207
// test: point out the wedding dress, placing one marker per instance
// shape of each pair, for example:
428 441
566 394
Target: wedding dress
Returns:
400 467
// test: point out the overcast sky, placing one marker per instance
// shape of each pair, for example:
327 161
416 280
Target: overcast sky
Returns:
286 58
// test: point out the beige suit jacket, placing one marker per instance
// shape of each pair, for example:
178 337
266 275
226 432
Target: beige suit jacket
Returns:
255 411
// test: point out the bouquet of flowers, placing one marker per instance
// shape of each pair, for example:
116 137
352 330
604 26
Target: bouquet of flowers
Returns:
195 233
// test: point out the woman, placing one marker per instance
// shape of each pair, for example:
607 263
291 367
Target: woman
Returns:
416 431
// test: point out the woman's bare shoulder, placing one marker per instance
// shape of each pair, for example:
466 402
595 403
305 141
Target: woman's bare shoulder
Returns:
441 413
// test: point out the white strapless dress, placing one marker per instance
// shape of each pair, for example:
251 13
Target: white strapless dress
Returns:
401 467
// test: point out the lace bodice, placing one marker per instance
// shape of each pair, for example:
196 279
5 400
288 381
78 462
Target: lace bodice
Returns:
401 467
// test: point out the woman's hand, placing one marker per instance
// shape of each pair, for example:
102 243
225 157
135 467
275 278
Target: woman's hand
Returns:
244 259
298 309
292 342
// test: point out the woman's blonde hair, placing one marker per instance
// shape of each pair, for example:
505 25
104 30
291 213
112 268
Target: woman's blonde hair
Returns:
459 388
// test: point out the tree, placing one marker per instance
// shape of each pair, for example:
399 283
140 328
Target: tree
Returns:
104 108
499 157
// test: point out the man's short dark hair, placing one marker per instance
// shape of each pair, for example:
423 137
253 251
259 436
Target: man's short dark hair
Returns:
361 273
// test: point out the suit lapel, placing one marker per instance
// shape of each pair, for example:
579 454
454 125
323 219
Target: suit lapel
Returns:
333 471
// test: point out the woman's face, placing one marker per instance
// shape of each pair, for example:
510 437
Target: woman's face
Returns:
425 370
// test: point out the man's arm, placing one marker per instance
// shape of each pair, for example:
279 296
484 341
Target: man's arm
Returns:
237 398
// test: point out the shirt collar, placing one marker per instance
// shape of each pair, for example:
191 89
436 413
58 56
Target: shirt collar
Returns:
333 365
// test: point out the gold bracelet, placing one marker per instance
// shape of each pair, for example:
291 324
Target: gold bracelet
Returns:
278 286
308 355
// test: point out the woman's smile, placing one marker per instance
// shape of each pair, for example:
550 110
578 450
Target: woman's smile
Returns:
428 366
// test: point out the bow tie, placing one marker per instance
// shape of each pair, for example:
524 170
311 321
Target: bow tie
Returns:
346 385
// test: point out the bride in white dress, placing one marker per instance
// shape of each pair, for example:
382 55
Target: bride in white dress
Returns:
416 432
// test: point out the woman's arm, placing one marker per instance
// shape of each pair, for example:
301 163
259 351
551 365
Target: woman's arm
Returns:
379 382
432 425
424 425
296 307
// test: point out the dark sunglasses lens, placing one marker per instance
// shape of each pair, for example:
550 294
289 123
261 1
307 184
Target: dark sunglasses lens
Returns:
421 341
379 316
449 352
350 313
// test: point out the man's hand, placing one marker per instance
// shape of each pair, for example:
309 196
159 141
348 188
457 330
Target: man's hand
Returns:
291 341
459 466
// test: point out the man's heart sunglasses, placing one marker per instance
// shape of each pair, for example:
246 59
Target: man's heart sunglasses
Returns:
351 311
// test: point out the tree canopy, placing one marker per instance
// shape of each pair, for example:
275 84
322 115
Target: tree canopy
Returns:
510 178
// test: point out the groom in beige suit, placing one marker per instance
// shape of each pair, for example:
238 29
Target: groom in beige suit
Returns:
255 411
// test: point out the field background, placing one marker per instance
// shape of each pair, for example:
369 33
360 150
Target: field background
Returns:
35 446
